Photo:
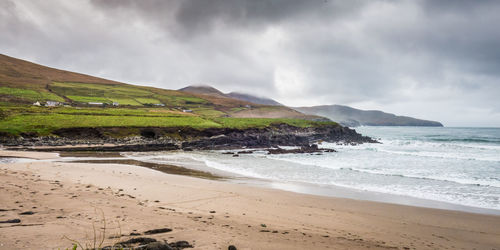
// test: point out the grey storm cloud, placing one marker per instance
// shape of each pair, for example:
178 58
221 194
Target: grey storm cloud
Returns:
431 59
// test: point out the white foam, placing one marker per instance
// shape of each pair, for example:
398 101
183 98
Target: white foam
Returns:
406 163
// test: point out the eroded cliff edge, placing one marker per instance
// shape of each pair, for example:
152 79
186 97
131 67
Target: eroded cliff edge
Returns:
173 138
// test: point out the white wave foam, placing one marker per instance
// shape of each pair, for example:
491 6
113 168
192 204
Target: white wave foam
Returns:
407 163
478 182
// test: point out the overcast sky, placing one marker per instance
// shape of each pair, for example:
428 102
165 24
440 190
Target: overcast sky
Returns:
437 60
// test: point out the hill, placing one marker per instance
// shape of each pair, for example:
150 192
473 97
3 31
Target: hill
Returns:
253 99
352 117
202 89
241 105
72 100
209 90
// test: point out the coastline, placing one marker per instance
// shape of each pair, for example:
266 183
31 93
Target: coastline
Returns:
293 220
195 170
334 191
242 176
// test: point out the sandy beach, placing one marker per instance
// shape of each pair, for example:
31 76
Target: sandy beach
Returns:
63 201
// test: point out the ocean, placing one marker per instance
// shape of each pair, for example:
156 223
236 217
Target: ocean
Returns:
452 168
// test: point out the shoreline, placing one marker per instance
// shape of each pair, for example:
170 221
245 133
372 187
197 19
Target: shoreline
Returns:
332 190
292 220
206 172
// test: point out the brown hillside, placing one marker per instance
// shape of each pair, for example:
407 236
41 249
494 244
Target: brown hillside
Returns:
20 73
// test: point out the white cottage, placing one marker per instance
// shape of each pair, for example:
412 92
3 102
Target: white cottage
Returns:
52 104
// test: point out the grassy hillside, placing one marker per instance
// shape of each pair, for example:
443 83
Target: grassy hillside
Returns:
254 99
23 83
239 105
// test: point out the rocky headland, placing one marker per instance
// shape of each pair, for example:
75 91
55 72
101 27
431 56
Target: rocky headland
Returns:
157 139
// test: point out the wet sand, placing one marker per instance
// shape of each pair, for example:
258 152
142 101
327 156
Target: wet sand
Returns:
67 199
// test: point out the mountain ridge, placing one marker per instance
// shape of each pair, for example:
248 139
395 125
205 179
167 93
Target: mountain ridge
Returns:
209 90
254 99
345 115
201 89
352 117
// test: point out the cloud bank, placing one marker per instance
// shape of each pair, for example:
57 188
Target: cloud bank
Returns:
429 59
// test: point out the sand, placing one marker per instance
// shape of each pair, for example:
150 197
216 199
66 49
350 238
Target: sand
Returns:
69 198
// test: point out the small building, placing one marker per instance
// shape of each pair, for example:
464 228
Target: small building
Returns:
37 104
116 104
248 106
52 103
96 103
187 111
159 104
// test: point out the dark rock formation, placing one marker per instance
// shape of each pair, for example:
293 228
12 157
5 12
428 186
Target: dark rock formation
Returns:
302 150
284 135
11 221
140 240
157 246
158 231
173 138
27 213
144 243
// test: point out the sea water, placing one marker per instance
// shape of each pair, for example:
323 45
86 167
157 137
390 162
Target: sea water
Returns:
453 165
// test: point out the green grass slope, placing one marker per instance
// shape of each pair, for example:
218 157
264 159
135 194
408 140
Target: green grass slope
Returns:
22 83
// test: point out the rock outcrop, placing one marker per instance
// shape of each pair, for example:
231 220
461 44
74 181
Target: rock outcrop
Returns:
155 139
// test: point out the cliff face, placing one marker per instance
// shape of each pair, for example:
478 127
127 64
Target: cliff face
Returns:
278 135
188 138
352 117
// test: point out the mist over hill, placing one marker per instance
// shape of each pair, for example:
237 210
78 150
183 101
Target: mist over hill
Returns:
202 89
254 99
209 90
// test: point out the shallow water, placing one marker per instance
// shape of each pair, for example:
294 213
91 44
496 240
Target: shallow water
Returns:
453 165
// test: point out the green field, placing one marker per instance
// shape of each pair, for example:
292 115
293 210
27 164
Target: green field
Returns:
30 95
243 123
135 109
147 100
208 112
125 101
124 95
44 124
43 121
101 90
181 100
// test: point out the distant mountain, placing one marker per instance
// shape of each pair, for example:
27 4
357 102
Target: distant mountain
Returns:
352 117
245 105
202 89
344 115
209 90
253 99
